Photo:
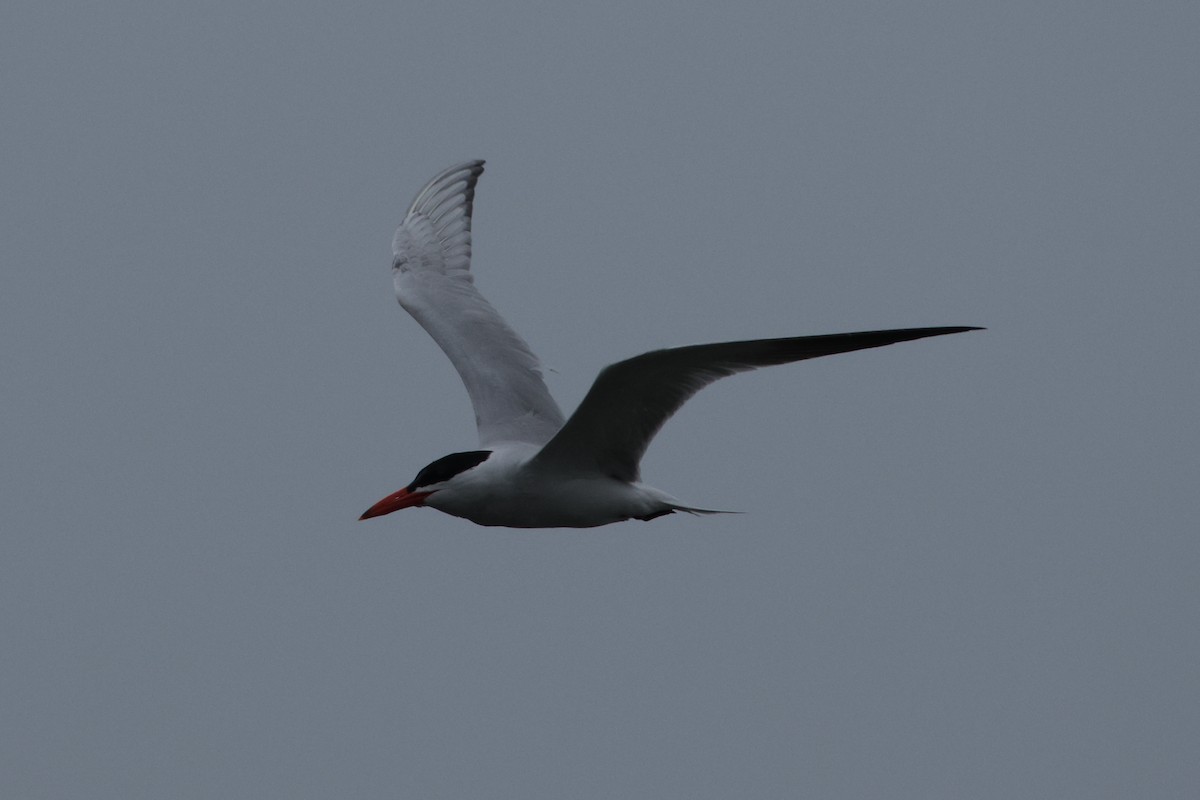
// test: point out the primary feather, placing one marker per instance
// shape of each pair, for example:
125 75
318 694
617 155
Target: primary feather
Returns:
432 275
630 400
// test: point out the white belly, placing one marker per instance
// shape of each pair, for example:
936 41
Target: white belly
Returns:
540 503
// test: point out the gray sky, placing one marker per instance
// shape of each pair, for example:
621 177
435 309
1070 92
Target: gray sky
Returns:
969 564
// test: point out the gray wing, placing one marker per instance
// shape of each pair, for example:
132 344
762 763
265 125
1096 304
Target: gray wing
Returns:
630 400
432 274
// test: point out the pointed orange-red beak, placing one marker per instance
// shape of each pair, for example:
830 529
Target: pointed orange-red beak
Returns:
394 502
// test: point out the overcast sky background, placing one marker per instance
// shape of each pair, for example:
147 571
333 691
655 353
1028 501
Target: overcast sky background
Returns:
969 566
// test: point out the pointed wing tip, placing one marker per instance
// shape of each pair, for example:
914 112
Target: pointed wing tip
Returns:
911 334
474 167
436 191
470 163
945 330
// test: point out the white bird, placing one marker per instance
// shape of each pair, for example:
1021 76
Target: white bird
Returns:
534 469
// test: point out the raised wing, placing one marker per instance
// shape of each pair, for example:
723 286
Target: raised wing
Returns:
432 273
630 400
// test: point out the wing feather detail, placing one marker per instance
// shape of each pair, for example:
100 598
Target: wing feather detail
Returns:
630 400
432 274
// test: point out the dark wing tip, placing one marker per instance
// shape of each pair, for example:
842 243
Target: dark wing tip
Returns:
938 331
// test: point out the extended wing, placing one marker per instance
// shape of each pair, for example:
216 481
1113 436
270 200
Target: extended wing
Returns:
432 274
630 400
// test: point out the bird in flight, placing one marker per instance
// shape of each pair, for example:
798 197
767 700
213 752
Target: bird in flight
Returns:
534 468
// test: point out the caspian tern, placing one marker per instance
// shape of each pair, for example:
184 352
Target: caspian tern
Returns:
535 469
